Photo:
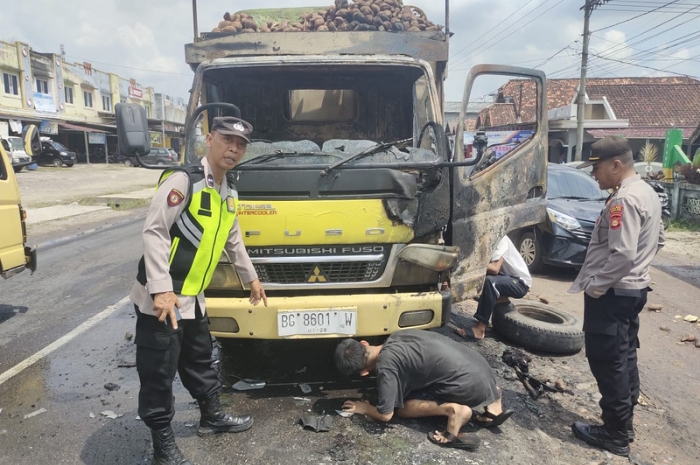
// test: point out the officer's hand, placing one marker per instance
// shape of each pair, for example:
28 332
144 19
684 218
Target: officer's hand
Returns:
164 307
257 293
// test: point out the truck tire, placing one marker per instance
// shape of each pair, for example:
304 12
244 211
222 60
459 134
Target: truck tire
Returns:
57 163
539 327
17 169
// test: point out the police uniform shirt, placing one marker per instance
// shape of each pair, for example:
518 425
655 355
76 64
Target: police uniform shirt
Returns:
625 240
156 245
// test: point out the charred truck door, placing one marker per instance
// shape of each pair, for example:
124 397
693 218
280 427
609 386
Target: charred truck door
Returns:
504 190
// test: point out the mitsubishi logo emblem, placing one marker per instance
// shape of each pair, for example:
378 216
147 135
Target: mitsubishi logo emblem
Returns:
316 276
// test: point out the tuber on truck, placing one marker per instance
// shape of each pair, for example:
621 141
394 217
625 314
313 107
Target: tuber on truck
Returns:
358 216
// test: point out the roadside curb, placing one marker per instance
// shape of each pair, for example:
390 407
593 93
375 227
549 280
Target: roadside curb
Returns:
66 239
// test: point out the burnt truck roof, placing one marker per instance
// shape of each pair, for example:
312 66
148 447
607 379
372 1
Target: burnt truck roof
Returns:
431 46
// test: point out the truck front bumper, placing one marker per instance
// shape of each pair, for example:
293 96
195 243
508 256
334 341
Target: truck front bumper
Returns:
377 314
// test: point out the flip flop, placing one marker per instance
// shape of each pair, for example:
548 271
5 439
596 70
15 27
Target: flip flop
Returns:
467 333
496 420
462 441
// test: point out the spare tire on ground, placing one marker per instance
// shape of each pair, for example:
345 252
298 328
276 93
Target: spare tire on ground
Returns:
539 327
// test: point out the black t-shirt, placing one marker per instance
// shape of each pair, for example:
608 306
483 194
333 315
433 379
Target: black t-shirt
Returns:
417 360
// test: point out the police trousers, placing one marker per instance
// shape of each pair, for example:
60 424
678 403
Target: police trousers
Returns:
162 351
496 286
611 326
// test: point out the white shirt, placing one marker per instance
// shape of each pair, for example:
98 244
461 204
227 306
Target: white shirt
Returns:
513 263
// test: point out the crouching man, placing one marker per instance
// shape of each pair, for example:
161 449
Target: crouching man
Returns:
424 374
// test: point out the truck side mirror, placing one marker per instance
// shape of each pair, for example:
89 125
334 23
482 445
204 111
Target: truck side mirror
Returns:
31 140
132 129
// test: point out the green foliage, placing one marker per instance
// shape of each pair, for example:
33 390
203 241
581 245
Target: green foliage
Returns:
684 225
696 159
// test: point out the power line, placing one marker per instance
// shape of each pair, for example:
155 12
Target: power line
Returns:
647 67
129 67
633 18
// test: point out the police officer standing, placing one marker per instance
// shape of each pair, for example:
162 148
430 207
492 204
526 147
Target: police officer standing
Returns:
614 277
183 241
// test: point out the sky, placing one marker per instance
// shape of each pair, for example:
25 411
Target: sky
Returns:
144 39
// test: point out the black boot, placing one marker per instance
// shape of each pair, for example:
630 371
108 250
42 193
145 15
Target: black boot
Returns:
215 420
600 436
165 451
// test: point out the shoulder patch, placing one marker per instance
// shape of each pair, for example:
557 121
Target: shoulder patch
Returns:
175 198
616 216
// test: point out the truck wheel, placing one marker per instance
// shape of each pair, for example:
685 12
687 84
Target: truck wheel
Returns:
128 163
539 327
531 251
17 169
57 163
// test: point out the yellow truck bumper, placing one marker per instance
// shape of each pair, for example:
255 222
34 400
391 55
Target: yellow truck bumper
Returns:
377 314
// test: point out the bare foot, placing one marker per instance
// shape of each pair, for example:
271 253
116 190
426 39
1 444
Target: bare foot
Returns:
470 333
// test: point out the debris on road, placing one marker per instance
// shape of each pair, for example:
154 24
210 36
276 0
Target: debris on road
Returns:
35 413
125 364
128 336
247 385
654 308
344 413
92 415
110 414
665 328
302 399
688 338
318 424
112 387
691 318
544 300
305 388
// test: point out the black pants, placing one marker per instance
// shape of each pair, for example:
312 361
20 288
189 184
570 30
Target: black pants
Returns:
611 324
495 286
162 351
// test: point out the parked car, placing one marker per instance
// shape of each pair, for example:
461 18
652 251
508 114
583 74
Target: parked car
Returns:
574 202
55 154
14 147
157 156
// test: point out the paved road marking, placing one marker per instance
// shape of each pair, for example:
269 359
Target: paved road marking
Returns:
26 363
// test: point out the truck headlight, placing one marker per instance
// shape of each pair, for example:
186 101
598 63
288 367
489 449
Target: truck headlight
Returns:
225 278
62 153
562 219
434 257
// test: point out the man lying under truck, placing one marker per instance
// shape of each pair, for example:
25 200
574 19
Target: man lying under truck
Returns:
425 374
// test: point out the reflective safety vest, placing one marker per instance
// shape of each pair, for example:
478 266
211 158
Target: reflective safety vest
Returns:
199 234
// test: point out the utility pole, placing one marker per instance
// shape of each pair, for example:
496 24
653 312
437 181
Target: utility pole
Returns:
581 98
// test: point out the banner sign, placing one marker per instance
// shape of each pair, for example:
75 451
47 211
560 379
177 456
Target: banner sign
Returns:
97 138
48 127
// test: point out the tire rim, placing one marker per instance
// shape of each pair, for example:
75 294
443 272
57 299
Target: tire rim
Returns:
527 250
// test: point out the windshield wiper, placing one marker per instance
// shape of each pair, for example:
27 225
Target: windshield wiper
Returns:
269 156
379 147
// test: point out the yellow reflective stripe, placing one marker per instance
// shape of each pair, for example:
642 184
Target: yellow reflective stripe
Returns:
173 249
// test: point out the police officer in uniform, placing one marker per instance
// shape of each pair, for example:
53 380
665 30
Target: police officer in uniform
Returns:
615 279
191 221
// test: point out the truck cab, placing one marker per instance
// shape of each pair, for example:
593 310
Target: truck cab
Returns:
15 255
14 148
358 217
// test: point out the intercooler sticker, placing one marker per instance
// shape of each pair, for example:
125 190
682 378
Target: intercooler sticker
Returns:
175 198
616 216
256 209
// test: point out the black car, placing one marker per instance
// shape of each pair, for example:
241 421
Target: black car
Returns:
574 202
157 156
55 154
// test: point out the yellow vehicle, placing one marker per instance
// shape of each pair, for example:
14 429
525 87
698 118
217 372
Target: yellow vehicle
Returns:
15 256
359 218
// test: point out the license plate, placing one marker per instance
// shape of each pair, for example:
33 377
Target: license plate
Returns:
301 322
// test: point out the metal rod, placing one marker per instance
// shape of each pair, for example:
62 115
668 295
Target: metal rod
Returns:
194 20
447 20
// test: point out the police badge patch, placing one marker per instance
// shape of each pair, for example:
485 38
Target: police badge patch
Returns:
175 198
210 181
231 204
616 216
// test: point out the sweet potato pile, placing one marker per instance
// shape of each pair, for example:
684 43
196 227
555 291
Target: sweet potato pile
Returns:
360 15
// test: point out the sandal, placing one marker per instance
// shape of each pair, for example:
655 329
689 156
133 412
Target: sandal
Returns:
495 420
461 441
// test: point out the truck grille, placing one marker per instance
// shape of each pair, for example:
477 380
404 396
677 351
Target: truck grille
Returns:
298 273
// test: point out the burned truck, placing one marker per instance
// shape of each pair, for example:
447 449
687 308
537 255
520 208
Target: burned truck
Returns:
358 217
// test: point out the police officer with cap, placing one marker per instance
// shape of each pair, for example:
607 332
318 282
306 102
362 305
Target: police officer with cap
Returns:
615 279
183 242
